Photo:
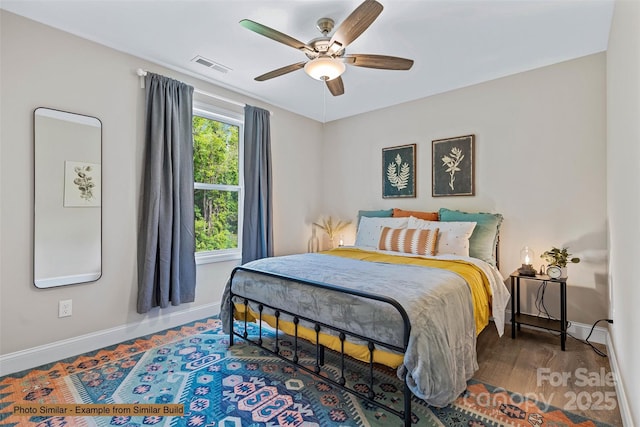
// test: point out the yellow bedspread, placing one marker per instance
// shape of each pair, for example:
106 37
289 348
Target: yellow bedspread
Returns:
473 275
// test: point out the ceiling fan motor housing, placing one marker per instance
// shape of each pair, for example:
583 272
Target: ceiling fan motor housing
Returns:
320 47
325 25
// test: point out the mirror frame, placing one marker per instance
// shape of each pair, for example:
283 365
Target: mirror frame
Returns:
64 174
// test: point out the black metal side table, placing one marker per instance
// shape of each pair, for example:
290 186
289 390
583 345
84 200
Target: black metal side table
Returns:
518 318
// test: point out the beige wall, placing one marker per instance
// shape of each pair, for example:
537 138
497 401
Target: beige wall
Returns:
41 66
540 161
623 179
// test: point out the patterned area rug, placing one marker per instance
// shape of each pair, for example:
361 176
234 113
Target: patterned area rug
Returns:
243 386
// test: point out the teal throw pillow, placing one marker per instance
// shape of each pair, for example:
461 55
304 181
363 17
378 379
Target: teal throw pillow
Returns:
383 213
482 243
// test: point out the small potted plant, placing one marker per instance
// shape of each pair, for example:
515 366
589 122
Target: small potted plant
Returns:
560 258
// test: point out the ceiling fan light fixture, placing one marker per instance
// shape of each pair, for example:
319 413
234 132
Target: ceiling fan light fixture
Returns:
324 68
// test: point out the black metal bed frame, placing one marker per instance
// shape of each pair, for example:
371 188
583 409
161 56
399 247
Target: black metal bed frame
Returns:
320 326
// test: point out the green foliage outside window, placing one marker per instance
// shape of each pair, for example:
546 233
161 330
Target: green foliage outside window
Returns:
215 161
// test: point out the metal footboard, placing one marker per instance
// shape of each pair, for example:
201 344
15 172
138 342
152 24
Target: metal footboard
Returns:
323 327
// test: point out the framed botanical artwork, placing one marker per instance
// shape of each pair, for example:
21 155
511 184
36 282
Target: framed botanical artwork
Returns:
82 184
399 171
453 166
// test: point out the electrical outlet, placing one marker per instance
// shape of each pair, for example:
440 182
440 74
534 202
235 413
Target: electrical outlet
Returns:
64 308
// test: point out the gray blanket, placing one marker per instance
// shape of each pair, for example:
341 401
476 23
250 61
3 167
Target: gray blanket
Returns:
441 355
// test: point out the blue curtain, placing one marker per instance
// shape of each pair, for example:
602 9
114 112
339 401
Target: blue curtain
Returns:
166 239
257 229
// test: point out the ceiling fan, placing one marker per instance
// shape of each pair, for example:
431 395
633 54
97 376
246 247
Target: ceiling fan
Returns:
327 57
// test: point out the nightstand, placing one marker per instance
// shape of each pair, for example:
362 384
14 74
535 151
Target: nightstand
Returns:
518 318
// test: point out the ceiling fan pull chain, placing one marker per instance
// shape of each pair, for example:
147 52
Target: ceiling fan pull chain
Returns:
324 103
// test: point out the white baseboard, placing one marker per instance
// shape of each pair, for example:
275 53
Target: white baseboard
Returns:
49 353
581 331
578 330
623 403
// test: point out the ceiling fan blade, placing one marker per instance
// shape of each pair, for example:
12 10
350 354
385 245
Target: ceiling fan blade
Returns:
280 71
379 61
356 24
276 35
336 86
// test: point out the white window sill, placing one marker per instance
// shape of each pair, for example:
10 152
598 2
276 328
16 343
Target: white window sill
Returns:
218 256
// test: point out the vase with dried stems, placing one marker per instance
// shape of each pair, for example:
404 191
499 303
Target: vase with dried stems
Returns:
332 228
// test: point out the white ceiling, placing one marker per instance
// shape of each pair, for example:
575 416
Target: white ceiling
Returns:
454 43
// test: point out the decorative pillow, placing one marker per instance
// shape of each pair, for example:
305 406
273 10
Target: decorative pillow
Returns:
369 229
383 213
482 244
453 237
409 240
429 216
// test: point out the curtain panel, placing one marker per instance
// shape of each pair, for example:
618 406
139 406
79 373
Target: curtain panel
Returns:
257 229
166 238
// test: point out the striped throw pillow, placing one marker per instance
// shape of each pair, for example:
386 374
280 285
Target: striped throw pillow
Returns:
409 240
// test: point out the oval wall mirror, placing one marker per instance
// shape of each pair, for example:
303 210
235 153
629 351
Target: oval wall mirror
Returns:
67 226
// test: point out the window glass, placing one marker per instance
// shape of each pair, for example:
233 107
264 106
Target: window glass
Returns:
217 156
216 214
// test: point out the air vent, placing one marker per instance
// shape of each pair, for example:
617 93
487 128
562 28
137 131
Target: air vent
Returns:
211 64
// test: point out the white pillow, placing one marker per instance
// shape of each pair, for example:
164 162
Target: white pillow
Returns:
453 236
370 227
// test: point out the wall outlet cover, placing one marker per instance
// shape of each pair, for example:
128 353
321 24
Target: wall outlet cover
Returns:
64 308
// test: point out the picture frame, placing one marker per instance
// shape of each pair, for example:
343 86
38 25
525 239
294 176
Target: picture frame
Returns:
399 171
82 184
453 166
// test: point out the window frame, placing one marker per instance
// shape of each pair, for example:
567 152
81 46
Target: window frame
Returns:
237 119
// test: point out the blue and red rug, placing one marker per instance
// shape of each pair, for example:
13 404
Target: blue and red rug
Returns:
242 386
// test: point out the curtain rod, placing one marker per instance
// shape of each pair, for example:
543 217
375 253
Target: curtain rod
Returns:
142 73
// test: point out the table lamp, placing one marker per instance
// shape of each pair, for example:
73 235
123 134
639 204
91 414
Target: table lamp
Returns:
526 258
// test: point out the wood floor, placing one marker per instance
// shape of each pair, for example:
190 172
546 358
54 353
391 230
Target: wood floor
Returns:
577 380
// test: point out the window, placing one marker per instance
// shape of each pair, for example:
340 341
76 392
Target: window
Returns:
218 190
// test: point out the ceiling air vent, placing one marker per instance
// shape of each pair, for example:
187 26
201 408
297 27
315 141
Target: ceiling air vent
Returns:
211 64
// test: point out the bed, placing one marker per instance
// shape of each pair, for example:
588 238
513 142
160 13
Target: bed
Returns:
418 313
